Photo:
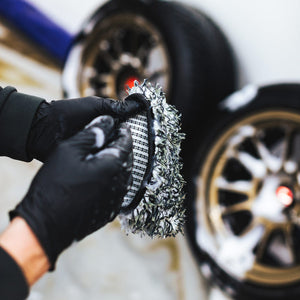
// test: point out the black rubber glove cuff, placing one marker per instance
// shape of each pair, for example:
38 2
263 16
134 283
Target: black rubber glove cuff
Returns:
17 111
13 284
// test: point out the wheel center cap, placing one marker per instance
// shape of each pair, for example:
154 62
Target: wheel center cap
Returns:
285 195
130 82
272 200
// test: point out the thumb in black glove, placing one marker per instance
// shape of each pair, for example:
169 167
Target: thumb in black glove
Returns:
59 120
79 188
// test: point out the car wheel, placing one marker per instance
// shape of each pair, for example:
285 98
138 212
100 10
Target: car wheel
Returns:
244 195
166 42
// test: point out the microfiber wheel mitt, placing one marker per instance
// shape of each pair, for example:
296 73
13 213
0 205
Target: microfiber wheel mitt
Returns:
154 204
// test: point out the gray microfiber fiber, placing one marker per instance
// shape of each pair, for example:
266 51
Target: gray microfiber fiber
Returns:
156 147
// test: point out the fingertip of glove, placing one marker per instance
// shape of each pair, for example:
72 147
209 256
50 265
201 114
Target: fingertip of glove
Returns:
124 127
102 121
102 128
121 146
136 97
124 138
137 101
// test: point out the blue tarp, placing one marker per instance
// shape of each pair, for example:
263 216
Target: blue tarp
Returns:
37 26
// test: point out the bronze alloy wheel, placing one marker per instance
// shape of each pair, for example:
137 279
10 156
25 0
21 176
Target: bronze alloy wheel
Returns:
243 194
248 199
123 48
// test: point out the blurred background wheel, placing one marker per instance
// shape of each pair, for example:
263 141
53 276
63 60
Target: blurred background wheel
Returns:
244 196
124 47
167 42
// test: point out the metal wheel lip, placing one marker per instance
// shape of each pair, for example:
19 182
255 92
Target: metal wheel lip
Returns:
77 58
205 231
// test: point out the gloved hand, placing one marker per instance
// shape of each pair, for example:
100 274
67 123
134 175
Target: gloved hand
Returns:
59 120
79 188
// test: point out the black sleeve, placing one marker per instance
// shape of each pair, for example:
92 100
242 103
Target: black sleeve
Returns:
13 285
17 111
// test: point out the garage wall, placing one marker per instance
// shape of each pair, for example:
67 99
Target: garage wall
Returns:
264 34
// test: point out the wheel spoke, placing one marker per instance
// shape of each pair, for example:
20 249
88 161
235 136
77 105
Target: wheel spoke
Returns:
241 186
106 91
252 224
298 177
242 206
144 51
88 91
105 79
262 244
117 44
236 250
246 131
287 231
284 149
256 167
291 156
272 163
286 145
108 83
108 59
89 72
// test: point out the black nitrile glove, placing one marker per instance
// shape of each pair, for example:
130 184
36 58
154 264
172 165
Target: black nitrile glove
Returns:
59 120
79 188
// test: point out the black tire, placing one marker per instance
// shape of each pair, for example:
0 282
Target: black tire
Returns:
202 68
278 105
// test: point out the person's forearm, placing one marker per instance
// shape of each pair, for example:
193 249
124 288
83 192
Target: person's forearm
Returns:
21 244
